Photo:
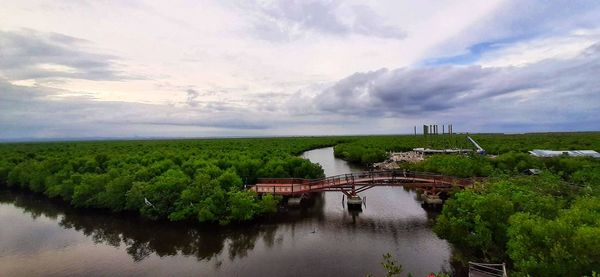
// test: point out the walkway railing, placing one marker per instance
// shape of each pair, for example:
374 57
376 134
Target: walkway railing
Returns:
299 185
487 270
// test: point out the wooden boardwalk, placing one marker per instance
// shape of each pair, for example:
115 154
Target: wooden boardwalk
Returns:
351 184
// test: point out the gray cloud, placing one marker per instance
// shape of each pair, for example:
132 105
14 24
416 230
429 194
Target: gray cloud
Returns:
192 94
548 93
431 89
284 20
403 91
29 54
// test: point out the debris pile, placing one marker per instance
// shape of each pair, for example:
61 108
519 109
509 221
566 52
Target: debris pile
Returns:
395 158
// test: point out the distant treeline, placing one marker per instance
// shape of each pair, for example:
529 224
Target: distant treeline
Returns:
498 144
367 150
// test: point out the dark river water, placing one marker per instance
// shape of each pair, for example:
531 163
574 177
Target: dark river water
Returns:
39 237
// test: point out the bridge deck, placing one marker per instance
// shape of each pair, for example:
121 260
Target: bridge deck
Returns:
295 186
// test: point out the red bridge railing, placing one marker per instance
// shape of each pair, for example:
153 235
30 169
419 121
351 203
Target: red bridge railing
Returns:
299 185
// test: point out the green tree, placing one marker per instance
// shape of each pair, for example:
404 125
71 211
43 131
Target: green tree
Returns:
242 205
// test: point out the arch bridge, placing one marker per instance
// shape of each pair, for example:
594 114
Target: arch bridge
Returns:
351 184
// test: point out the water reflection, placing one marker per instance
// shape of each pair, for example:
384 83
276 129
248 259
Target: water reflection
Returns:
140 237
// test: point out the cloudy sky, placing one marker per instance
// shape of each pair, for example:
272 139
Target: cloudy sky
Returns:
79 69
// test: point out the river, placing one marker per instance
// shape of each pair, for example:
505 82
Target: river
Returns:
39 237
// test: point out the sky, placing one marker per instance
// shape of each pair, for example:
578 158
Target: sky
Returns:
129 69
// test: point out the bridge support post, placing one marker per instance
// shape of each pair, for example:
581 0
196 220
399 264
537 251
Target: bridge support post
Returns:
354 202
431 198
294 201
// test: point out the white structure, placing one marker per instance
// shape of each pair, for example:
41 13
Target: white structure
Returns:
440 151
479 149
571 153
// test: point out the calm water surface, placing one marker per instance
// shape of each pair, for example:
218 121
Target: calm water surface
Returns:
40 237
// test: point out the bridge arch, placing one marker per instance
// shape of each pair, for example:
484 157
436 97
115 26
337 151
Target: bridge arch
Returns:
353 183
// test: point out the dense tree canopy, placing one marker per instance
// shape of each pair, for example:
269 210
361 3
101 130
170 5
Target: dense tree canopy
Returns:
542 224
546 225
177 180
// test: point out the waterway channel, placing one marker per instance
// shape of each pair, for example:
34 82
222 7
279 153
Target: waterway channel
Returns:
39 237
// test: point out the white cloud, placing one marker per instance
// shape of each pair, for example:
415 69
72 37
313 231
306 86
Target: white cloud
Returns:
535 50
57 68
289 20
